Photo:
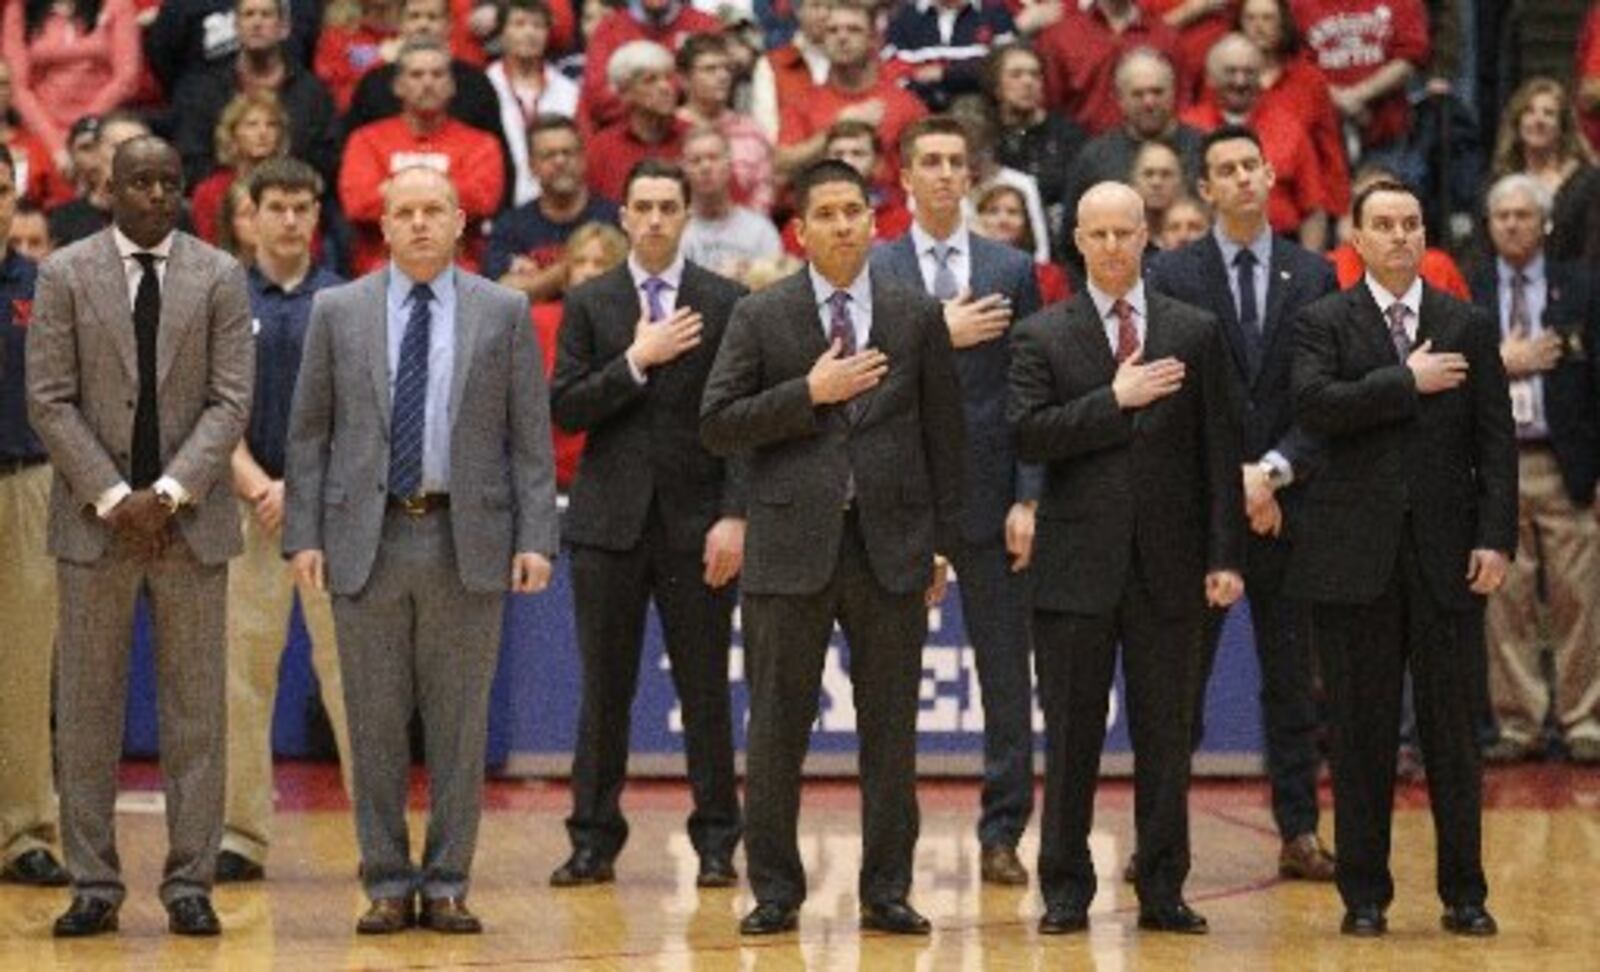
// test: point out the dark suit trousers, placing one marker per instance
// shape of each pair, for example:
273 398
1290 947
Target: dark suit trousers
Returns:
786 644
1365 651
1282 629
1076 656
994 607
187 603
611 590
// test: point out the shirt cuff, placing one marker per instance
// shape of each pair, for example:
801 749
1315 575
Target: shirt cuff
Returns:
1285 470
639 377
108 500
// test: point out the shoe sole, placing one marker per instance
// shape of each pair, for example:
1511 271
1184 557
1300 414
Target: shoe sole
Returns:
606 877
716 881
195 932
105 929
788 926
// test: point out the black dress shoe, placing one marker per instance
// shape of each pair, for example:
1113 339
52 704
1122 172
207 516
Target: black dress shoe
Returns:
1063 919
716 871
1470 919
86 916
1178 918
1364 921
583 867
770 918
192 915
37 867
1000 865
235 868
894 917
450 916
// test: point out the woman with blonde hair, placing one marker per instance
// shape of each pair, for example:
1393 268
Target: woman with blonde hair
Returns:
253 128
1539 136
1002 215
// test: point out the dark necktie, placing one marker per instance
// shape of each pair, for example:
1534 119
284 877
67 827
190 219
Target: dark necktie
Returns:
654 288
1127 334
1521 324
409 419
1244 265
944 279
840 328
146 419
1397 330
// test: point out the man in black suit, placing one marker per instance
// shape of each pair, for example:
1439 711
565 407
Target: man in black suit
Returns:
1549 316
984 287
1409 523
1255 284
839 384
1126 395
653 516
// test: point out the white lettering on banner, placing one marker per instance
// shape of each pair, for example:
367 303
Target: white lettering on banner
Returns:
1350 40
428 160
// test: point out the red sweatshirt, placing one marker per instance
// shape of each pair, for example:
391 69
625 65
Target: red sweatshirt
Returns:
1352 39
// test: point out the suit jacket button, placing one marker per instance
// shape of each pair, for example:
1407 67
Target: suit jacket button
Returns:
128 404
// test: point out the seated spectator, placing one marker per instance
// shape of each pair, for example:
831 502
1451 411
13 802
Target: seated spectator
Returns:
1438 269
422 134
1157 176
1368 50
787 73
527 246
235 226
357 36
191 36
1199 24
939 46
93 146
69 59
706 71
38 179
1083 52
856 90
721 236
253 129
856 144
263 64
1292 85
527 85
982 137
643 73
1031 138
1588 68
1298 205
1185 221
30 231
663 22
1539 136
777 21
1002 216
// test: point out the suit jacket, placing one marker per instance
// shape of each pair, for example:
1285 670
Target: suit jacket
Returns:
643 440
1450 458
1161 482
994 479
1572 387
903 443
1197 276
502 473
83 381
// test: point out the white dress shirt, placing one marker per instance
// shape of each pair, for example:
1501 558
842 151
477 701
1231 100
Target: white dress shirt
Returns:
672 276
1103 302
959 261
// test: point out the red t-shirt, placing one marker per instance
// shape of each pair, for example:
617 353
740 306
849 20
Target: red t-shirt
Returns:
598 105
568 445
344 55
1589 69
1438 270
1196 37
613 153
817 112
1299 189
1352 39
36 174
1301 92
1080 54
1054 284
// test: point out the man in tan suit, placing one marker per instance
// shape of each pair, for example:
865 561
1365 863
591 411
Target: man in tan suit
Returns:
140 367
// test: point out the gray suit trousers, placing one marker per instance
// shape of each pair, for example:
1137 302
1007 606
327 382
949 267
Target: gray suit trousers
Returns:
414 637
187 602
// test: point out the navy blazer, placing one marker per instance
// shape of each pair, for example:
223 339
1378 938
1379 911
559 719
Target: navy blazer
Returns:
994 480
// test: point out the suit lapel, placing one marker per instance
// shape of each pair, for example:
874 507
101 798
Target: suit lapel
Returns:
181 305
1084 322
377 341
107 287
468 324
1370 324
1212 268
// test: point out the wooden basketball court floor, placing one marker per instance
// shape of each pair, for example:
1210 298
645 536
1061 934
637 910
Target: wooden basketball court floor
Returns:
1542 842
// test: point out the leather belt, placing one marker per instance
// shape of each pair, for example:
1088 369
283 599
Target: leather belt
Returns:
421 504
10 467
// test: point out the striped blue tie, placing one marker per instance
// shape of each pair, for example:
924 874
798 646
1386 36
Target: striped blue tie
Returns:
409 418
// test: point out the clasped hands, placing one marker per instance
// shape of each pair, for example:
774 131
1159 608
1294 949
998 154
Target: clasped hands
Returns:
140 523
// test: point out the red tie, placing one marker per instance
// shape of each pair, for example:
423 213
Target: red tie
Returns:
1127 334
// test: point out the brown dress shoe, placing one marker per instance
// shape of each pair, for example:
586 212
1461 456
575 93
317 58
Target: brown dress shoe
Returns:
1000 865
387 916
450 916
1305 859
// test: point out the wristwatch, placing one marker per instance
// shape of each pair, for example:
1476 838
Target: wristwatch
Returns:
1274 474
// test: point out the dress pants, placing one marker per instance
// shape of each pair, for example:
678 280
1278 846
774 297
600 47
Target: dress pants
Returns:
261 591
28 605
786 645
611 591
1282 633
1556 575
412 639
1365 650
994 605
1076 655
187 602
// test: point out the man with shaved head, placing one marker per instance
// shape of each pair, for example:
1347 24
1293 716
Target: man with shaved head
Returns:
463 510
1126 396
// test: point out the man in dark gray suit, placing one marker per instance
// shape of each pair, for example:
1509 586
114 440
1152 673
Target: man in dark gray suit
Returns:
840 386
140 367
984 287
420 487
654 516
1255 284
1126 394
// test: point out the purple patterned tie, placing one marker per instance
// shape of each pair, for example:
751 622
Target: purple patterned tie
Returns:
840 327
1397 330
654 288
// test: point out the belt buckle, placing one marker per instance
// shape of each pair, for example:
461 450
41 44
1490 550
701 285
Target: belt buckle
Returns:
414 505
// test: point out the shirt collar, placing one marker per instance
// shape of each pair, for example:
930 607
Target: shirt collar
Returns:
1261 246
923 6
126 248
1104 301
1534 271
672 276
960 241
443 285
860 289
1412 298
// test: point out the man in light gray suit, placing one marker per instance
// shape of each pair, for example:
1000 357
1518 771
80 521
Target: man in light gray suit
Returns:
140 366
420 487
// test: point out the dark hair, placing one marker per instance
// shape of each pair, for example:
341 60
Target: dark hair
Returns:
539 8
995 62
1289 41
850 128
1226 133
931 125
824 172
285 175
425 45
656 169
551 122
695 46
10 163
34 13
28 207
1382 185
